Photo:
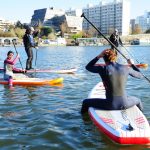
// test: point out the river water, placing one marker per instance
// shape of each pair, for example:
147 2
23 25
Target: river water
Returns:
48 117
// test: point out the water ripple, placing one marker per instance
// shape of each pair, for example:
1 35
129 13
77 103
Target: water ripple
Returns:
49 117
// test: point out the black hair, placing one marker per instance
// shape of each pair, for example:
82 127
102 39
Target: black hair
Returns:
9 52
28 31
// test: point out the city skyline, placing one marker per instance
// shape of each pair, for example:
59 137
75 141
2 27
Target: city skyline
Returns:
23 10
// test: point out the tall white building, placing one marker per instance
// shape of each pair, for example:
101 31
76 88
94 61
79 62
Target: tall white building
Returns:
143 21
108 15
74 12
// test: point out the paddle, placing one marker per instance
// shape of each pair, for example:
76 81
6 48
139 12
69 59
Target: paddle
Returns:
35 57
130 53
17 53
36 47
113 45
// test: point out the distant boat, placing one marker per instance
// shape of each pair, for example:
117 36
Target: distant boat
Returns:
135 42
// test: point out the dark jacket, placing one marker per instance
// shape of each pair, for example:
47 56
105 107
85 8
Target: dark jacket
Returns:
115 39
28 41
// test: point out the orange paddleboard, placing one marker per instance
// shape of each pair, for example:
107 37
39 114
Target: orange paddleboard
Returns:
34 81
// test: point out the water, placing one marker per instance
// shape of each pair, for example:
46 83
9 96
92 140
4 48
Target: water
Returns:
49 117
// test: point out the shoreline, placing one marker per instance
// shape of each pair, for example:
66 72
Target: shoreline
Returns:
61 45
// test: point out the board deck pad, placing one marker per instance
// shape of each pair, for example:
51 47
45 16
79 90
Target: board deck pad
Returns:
128 126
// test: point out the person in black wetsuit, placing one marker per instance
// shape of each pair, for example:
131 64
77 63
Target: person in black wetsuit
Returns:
114 77
29 43
115 39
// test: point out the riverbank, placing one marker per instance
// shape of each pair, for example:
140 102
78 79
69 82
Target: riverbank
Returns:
144 39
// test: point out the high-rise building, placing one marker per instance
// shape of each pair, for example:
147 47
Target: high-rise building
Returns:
108 16
132 25
143 21
74 12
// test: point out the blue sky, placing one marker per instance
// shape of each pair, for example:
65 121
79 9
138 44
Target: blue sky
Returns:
23 9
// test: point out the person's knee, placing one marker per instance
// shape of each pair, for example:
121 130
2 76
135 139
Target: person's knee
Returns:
85 106
10 81
30 58
140 106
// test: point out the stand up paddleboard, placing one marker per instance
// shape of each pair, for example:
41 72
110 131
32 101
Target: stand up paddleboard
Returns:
128 126
62 71
34 81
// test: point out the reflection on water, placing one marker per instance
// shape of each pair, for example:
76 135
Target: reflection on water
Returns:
48 117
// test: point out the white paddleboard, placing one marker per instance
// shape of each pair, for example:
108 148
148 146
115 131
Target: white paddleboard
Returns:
128 126
62 71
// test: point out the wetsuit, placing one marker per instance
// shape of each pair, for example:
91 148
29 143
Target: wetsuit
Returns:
28 44
114 77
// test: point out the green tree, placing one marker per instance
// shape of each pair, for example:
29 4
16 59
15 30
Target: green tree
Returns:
19 32
52 36
12 32
45 31
147 31
19 25
75 36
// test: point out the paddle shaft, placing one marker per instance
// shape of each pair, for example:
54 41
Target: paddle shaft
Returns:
111 44
35 57
17 53
130 53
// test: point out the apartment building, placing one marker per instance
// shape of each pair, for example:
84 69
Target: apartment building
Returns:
143 21
4 24
74 12
108 15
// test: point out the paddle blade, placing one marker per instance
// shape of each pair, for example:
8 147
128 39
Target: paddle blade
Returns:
142 66
82 15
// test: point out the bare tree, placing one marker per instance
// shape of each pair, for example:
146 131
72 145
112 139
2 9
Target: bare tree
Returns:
64 28
137 29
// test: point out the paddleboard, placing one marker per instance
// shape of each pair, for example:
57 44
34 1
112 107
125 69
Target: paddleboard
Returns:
62 71
142 66
128 126
34 81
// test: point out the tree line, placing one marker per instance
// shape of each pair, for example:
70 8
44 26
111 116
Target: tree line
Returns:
18 30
